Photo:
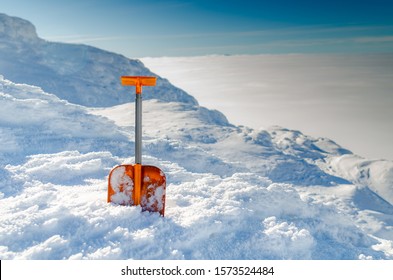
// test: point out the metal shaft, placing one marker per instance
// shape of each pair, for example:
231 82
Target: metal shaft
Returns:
138 129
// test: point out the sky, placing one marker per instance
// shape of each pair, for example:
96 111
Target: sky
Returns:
154 28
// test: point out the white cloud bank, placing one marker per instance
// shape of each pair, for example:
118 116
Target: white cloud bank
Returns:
343 97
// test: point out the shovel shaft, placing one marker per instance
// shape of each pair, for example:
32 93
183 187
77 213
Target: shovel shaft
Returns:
138 82
138 128
138 148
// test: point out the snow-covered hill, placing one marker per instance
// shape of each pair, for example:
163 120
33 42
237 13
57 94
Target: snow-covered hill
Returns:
77 73
232 193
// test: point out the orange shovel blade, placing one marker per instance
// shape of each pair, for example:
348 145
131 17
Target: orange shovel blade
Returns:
122 189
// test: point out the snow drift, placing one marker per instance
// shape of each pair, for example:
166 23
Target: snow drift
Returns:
232 192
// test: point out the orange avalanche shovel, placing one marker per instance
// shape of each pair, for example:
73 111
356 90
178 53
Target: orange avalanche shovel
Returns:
137 184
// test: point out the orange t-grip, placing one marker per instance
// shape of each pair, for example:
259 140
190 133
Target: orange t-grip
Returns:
138 82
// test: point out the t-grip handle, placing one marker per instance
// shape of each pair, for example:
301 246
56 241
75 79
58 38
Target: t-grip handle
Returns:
138 82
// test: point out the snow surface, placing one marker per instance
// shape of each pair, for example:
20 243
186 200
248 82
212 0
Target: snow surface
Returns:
232 192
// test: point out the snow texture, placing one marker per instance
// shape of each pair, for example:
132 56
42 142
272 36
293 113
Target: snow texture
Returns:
232 192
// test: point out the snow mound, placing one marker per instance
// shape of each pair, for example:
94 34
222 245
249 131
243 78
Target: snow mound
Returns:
376 174
34 122
14 28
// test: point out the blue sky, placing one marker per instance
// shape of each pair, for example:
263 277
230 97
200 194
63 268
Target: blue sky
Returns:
203 27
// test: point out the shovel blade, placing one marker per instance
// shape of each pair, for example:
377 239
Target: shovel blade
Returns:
122 188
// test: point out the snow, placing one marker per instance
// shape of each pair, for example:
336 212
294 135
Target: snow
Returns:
122 196
17 29
232 192
377 175
154 201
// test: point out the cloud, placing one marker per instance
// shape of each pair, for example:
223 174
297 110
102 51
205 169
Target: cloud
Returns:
272 39
343 97
317 38
82 38
374 39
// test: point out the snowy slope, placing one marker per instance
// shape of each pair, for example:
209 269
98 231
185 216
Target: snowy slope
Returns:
232 193
54 206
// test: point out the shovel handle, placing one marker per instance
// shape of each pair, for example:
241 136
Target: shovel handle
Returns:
138 82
